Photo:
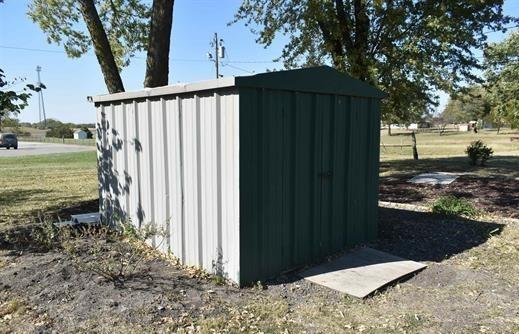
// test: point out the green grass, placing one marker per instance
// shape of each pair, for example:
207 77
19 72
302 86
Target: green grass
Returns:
454 206
451 144
447 153
37 185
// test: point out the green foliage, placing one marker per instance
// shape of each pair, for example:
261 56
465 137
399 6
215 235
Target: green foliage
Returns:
12 102
125 23
11 122
502 74
454 206
478 151
60 131
471 105
410 49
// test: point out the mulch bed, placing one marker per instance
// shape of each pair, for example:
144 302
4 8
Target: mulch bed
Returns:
495 195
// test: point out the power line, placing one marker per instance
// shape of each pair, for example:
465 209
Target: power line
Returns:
238 68
501 30
138 57
30 49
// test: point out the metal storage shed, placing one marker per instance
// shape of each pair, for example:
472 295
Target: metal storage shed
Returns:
250 176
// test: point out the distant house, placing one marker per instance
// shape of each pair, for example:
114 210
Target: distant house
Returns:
470 126
421 125
80 134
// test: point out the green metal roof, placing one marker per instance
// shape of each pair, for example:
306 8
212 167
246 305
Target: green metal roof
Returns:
321 79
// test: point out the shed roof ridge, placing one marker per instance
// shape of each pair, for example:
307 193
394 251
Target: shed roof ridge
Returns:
319 79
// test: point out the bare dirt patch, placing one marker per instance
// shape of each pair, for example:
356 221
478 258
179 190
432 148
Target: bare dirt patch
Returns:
59 296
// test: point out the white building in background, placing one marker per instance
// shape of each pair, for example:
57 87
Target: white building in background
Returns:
80 134
470 126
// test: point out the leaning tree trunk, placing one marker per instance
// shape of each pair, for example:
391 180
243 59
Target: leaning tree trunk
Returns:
358 55
157 62
102 48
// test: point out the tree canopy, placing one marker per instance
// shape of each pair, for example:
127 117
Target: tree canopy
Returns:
115 29
125 23
472 105
408 48
502 74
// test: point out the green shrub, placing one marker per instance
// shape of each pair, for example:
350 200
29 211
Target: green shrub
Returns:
478 151
60 131
454 206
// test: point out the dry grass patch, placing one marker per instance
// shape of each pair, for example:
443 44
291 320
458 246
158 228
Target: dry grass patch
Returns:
499 255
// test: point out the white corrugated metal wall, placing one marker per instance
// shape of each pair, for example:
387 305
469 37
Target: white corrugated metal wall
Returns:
152 152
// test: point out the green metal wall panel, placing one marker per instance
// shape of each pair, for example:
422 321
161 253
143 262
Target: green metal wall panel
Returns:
308 177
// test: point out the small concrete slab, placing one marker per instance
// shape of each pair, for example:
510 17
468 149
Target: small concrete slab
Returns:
441 178
86 218
70 223
361 272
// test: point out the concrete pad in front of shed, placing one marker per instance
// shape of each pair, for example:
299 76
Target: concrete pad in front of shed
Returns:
434 178
361 272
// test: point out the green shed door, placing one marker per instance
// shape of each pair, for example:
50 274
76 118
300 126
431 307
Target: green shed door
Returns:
304 170
330 173
316 151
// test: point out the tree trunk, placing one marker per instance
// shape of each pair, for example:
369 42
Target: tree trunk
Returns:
359 53
389 129
415 149
102 47
498 127
157 62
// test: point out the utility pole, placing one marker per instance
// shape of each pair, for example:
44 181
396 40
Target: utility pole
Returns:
219 52
41 104
217 62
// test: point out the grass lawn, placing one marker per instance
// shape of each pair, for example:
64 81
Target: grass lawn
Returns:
450 144
46 184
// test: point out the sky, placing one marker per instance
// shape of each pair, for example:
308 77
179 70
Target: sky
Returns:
70 81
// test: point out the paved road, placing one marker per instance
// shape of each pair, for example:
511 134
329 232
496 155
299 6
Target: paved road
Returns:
27 148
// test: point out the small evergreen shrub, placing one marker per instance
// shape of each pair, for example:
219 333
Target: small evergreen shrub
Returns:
478 151
454 206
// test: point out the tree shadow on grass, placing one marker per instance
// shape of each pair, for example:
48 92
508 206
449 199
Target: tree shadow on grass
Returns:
17 196
423 236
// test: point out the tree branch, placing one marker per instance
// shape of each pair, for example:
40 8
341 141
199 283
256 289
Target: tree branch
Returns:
345 23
